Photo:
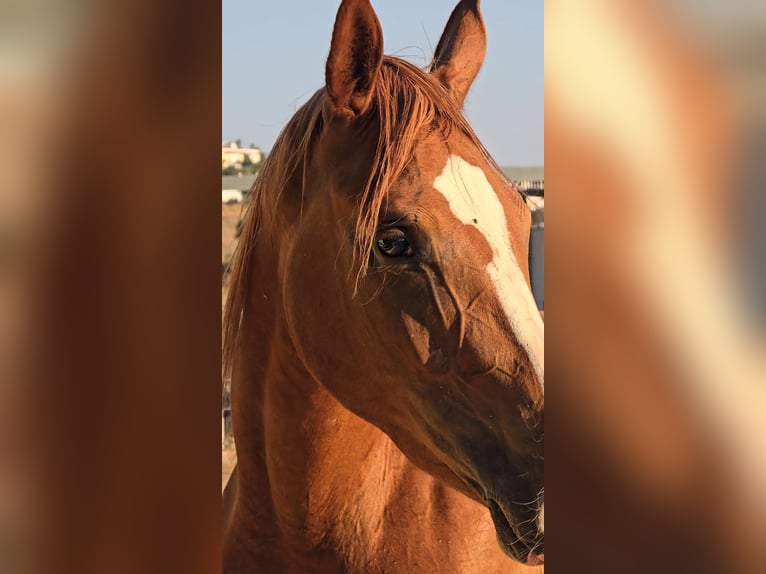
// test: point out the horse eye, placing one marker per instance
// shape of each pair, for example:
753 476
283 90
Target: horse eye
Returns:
394 243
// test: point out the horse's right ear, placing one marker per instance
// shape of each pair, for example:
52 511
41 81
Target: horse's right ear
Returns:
460 51
356 54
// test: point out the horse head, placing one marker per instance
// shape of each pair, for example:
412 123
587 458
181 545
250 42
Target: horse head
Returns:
403 270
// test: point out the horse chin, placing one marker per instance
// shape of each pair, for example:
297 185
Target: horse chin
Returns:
512 542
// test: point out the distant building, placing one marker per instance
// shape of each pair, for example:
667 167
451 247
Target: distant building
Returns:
232 196
233 155
530 180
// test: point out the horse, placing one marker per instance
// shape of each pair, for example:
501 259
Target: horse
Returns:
384 347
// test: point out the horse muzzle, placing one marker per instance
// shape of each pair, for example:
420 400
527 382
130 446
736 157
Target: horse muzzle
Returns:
520 540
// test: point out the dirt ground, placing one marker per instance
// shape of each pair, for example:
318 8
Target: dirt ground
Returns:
228 460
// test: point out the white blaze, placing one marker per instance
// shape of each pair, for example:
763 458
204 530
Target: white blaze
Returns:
474 202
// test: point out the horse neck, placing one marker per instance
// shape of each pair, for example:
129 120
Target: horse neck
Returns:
304 460
317 486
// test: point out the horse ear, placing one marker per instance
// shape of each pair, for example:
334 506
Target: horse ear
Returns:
356 54
460 51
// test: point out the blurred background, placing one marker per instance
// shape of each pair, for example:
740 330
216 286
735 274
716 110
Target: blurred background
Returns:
109 304
653 146
109 283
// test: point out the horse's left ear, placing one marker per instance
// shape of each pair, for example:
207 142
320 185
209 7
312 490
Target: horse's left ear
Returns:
356 54
461 49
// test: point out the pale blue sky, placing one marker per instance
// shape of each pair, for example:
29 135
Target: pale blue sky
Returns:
274 55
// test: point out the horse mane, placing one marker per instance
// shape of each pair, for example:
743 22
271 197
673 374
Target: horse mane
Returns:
407 100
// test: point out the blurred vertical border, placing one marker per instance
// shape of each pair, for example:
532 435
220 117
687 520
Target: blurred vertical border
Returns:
654 133
109 286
